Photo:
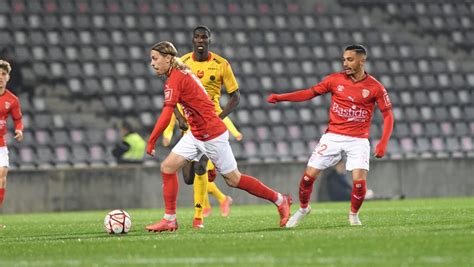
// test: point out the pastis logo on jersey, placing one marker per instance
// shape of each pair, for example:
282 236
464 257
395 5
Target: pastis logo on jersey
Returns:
340 88
365 93
354 113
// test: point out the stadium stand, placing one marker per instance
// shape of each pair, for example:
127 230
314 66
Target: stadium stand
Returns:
84 67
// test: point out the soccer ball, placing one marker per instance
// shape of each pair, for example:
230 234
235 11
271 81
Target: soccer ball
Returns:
117 222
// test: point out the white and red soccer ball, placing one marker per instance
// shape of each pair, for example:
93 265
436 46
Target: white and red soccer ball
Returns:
117 222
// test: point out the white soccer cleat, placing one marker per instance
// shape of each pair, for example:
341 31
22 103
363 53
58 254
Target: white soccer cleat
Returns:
297 217
354 219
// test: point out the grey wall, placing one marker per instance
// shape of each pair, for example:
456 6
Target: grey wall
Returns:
140 187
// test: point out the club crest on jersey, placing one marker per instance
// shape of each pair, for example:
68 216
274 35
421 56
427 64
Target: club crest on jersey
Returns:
200 74
168 94
340 88
7 105
365 93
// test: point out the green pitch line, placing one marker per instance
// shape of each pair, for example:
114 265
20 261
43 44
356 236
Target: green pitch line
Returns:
425 232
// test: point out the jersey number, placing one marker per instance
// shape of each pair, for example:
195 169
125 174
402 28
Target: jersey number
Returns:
321 149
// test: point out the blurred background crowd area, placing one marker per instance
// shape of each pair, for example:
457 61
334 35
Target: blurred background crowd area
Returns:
81 67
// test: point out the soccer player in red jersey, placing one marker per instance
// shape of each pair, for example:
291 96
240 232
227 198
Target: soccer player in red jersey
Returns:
214 72
9 104
208 136
354 95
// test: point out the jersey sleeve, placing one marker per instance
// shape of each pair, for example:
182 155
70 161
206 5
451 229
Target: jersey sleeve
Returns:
383 100
228 78
17 115
171 93
323 87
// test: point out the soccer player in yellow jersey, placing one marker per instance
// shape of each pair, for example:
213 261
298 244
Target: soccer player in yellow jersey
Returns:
213 71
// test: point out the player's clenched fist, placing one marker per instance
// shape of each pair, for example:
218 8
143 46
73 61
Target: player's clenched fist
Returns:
150 149
273 98
380 150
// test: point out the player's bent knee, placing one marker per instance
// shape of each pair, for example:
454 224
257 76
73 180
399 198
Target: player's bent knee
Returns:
232 179
166 168
313 172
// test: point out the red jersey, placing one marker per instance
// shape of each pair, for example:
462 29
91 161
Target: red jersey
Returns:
9 104
184 87
352 103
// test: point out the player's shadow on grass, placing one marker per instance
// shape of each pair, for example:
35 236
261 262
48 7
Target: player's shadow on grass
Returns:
282 229
50 237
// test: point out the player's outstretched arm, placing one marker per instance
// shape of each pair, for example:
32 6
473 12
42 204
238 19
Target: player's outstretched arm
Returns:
231 104
160 126
298 96
387 132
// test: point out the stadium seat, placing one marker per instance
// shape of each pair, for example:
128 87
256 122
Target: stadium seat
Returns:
60 137
42 137
45 158
278 133
263 133
28 157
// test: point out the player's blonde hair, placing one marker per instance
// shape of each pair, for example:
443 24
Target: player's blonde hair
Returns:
167 48
5 65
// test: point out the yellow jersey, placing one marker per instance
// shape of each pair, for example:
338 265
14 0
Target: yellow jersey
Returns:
213 73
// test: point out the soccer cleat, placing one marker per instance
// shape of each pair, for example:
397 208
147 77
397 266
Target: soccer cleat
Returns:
211 175
198 223
2 226
298 217
206 212
225 206
284 210
163 225
354 218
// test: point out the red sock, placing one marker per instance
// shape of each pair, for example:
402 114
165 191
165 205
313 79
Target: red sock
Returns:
257 188
2 195
358 195
170 191
306 187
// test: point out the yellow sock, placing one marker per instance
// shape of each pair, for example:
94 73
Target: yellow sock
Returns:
232 129
200 190
206 204
212 188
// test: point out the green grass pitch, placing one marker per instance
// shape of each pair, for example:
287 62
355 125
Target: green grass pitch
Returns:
422 232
